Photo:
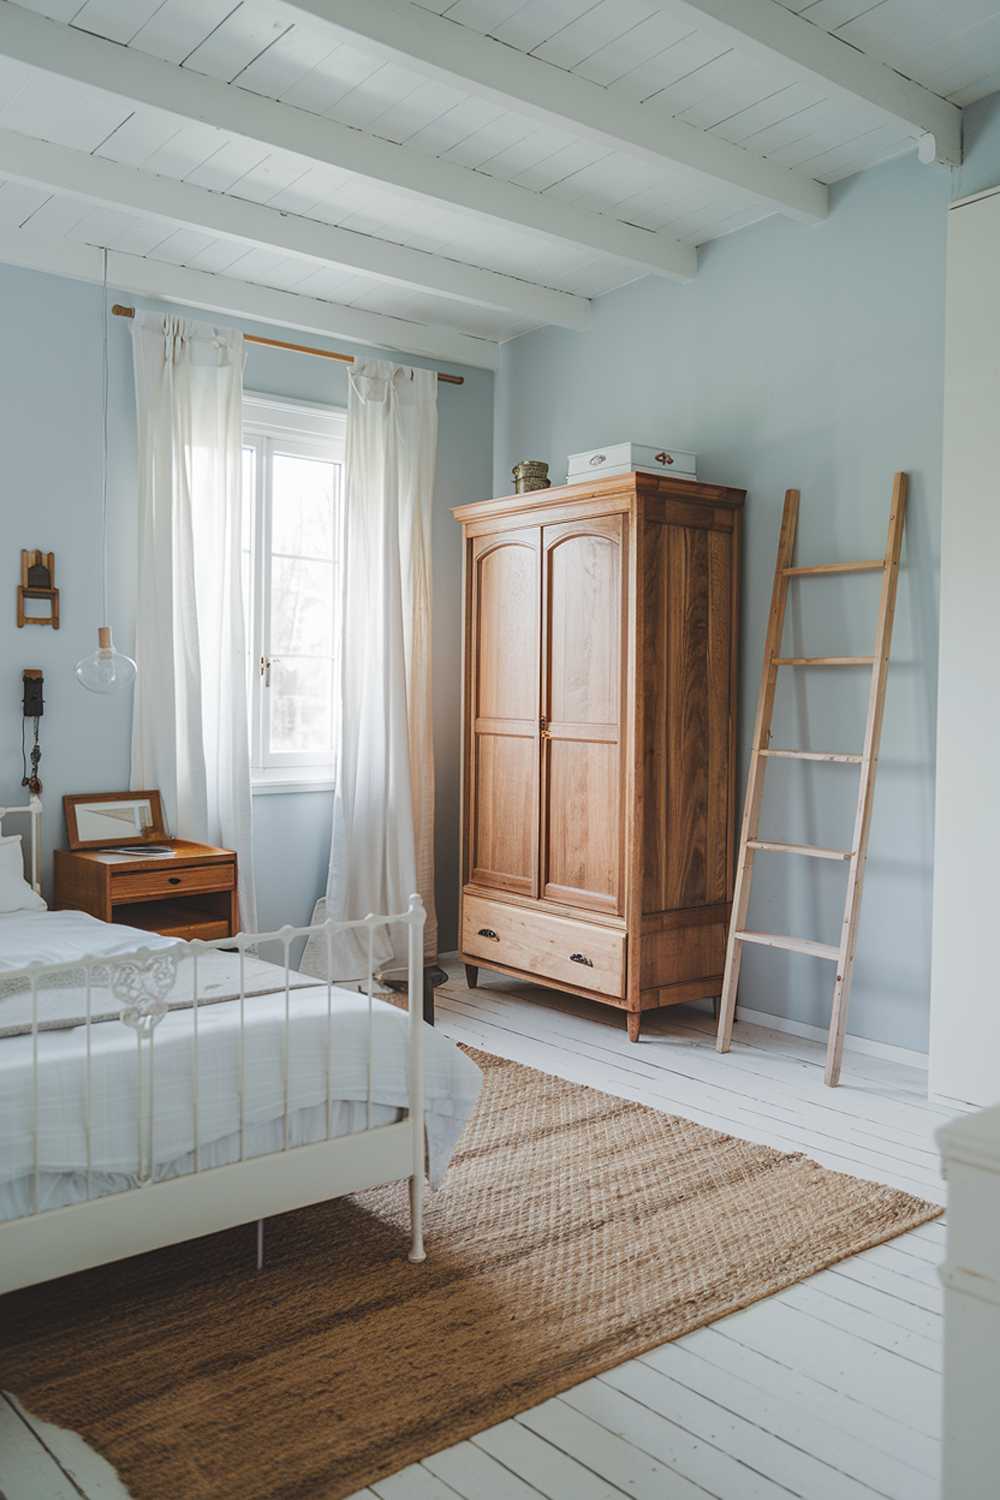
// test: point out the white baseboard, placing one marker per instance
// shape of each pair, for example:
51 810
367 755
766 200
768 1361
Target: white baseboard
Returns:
887 1050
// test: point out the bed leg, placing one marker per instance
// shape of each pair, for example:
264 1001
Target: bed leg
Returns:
417 1251
260 1244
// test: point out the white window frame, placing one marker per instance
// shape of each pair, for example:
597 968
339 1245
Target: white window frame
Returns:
273 424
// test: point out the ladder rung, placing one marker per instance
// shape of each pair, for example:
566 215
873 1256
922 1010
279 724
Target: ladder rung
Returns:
811 849
794 944
872 565
833 755
823 661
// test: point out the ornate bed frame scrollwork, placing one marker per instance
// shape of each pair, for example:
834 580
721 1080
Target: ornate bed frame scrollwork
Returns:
46 1243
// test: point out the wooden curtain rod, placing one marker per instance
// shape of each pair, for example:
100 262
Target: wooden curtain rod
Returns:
120 311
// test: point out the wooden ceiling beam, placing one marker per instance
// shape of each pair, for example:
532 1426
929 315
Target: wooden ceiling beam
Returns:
767 29
134 76
464 58
96 180
141 276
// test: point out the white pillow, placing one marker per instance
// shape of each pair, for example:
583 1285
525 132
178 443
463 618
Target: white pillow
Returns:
15 892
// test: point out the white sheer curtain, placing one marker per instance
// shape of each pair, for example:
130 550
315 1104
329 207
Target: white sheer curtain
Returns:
190 726
382 847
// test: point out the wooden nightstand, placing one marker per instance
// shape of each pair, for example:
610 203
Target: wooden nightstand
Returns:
190 895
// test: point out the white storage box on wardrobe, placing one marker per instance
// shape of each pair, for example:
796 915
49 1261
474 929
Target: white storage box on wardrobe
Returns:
628 458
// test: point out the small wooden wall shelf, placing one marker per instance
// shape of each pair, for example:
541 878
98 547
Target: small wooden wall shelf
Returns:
38 579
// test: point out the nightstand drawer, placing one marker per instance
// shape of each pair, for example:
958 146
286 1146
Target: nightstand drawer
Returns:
151 885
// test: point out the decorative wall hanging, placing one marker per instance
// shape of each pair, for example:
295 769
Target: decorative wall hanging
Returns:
33 707
38 579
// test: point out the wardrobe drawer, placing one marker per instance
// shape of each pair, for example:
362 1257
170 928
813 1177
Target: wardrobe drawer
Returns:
148 885
579 953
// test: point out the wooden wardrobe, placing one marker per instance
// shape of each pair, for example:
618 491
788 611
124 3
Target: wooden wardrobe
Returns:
599 791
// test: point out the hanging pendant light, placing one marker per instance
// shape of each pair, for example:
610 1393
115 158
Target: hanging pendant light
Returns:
105 670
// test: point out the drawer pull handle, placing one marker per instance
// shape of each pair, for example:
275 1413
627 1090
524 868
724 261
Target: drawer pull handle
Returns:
173 880
488 932
581 958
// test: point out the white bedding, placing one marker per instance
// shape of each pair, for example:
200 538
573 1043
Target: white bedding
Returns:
64 937
452 1081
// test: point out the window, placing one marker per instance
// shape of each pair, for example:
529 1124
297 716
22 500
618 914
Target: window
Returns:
293 457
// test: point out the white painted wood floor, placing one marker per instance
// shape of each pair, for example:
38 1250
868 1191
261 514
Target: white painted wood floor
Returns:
829 1391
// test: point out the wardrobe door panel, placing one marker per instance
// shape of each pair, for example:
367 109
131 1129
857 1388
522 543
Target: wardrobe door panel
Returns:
507 766
582 673
503 695
687 826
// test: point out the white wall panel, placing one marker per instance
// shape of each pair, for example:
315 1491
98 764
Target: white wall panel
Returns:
965 1016
479 15
139 135
185 150
115 230
406 116
241 37
273 174
619 60
57 217
18 201
14 76
438 137
287 60
596 29
532 24
118 20
226 168
179 26
57 109
745 125
330 78
684 59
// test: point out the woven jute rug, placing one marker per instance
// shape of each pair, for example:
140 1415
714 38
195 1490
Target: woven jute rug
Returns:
575 1231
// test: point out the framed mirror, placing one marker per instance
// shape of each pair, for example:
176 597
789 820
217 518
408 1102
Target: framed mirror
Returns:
96 819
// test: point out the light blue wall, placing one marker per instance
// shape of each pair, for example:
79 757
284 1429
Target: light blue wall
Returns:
50 444
810 358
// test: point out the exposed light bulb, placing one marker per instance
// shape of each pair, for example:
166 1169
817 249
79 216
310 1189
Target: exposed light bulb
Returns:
105 670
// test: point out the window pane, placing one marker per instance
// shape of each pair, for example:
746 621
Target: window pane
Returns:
302 520
301 607
301 693
249 481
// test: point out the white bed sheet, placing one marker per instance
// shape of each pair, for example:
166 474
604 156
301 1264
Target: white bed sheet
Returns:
65 937
313 1036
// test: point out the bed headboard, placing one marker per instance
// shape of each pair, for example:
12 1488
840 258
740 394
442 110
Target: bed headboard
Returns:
32 845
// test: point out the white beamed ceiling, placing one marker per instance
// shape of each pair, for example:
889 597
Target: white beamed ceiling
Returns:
640 51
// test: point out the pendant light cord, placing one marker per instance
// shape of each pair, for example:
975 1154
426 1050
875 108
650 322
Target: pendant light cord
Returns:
106 401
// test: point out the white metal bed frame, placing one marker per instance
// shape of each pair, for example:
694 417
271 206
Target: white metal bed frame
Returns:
48 1243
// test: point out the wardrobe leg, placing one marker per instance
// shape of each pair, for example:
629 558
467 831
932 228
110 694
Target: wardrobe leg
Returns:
715 1007
471 976
634 1019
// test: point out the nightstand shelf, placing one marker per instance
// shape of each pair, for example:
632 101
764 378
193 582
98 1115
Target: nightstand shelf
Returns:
191 894
173 919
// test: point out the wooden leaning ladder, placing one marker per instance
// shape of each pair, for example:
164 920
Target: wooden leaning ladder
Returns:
750 842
